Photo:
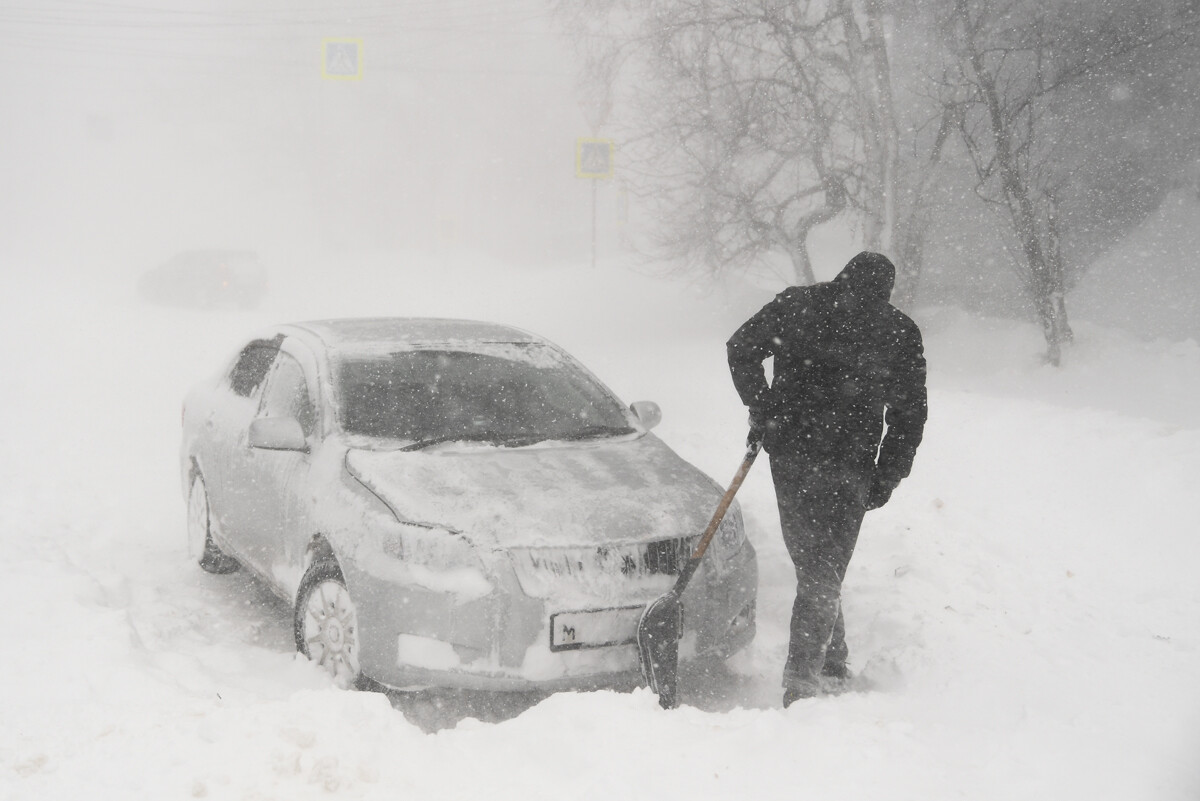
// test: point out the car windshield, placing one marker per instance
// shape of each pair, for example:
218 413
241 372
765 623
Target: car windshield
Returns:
526 394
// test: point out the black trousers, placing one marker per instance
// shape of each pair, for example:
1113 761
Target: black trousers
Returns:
821 506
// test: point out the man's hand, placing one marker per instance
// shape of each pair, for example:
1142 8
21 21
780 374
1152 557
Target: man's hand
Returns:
761 424
880 492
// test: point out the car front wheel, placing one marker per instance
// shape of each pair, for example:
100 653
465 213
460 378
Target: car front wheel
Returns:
200 542
326 624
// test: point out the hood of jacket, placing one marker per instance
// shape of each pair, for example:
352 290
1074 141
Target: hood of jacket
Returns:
867 278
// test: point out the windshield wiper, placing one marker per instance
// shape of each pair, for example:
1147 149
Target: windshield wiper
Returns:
479 436
519 440
505 440
592 432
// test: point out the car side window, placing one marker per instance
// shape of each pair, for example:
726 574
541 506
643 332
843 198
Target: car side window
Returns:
287 394
247 375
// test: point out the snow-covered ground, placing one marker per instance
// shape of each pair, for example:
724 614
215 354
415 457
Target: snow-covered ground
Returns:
1027 606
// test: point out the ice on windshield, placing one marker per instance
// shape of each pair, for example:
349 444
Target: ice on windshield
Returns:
524 394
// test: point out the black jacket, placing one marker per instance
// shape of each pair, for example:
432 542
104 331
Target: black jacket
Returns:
842 354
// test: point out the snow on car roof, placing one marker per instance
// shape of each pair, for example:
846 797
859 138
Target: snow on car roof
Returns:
372 333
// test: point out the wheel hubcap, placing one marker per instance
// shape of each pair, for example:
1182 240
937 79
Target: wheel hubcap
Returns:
331 631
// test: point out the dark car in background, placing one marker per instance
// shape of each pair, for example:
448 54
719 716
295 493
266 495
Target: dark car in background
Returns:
207 279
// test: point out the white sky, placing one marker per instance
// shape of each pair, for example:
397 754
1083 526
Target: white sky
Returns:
146 128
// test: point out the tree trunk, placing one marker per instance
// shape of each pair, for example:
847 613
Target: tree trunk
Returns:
889 155
1043 284
802 271
1057 277
911 230
796 241
870 71
910 256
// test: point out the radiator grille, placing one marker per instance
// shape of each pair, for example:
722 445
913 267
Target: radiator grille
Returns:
542 570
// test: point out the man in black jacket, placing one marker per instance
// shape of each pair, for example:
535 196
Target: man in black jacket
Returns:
845 363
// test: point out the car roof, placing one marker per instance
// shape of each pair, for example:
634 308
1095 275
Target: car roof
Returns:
353 333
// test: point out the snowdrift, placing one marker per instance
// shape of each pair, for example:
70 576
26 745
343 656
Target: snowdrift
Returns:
1026 607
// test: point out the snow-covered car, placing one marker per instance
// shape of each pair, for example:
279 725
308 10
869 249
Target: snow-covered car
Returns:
207 279
453 503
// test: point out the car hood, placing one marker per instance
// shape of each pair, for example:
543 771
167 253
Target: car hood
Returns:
558 495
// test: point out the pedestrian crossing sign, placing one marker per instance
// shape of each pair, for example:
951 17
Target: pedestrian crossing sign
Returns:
593 158
342 59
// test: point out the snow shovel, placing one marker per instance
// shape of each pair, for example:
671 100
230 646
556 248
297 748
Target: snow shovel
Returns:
661 624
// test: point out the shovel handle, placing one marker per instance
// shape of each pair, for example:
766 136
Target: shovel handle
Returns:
693 561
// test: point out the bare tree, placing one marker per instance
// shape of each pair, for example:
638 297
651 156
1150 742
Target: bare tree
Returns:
748 123
919 178
870 72
1007 63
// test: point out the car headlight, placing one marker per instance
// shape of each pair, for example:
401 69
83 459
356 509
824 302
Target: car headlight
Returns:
731 533
429 557
428 545
387 537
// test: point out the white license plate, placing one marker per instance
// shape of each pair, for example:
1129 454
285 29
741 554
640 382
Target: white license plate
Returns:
594 628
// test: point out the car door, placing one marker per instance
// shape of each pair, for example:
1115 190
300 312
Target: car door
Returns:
225 426
276 504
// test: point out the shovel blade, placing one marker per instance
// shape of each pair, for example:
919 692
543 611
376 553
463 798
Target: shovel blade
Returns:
658 634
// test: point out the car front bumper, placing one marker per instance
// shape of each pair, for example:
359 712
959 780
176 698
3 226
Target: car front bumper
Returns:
412 637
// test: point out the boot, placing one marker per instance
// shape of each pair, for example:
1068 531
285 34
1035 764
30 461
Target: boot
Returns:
838 671
835 679
794 694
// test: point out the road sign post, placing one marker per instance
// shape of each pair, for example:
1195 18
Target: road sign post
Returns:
594 160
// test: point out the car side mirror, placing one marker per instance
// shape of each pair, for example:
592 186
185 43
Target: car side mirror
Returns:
277 434
647 413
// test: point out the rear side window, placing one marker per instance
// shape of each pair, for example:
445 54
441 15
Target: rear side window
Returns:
287 395
251 368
